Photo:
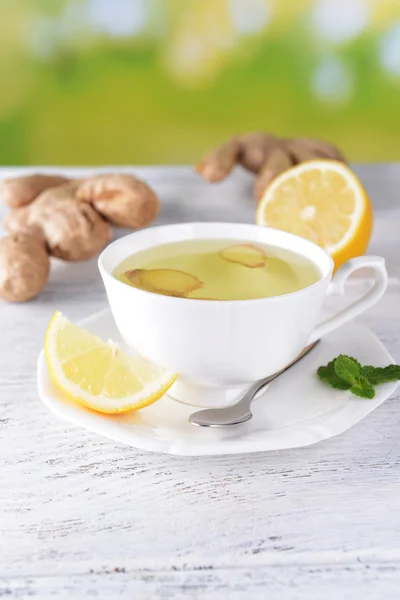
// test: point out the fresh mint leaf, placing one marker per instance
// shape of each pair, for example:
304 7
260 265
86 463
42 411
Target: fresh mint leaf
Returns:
340 384
346 373
327 373
363 389
376 375
347 368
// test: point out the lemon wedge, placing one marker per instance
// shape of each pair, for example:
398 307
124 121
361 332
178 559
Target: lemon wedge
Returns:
323 201
99 374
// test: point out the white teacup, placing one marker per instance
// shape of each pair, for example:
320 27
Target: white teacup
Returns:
219 346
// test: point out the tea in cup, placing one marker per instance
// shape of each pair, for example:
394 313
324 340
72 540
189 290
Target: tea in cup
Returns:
224 304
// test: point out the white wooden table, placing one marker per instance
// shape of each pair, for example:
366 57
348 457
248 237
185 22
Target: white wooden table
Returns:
82 517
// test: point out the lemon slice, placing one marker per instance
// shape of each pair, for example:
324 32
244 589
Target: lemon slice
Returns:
323 201
98 374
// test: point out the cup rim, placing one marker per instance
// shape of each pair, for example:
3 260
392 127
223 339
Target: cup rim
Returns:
106 272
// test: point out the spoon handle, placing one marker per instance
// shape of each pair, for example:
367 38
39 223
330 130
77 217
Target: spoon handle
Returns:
305 351
240 412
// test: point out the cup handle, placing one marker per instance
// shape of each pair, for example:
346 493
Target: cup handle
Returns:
377 264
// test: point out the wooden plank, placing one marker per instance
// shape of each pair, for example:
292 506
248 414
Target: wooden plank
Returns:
329 581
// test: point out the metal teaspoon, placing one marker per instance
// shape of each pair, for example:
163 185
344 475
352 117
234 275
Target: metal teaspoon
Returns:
240 412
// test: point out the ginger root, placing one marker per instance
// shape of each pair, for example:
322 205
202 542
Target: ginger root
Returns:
255 148
263 154
71 230
323 149
219 162
121 199
17 221
24 267
277 161
67 219
21 191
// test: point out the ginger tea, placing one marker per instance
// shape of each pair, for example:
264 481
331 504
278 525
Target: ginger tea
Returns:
217 270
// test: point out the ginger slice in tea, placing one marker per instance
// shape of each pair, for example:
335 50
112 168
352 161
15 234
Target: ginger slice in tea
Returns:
244 254
170 282
194 297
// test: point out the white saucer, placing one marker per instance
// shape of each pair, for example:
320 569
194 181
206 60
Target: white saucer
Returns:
296 410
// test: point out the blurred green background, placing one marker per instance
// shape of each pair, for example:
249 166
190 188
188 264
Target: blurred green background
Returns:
160 81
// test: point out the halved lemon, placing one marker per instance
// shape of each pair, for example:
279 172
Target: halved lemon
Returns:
323 201
98 374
